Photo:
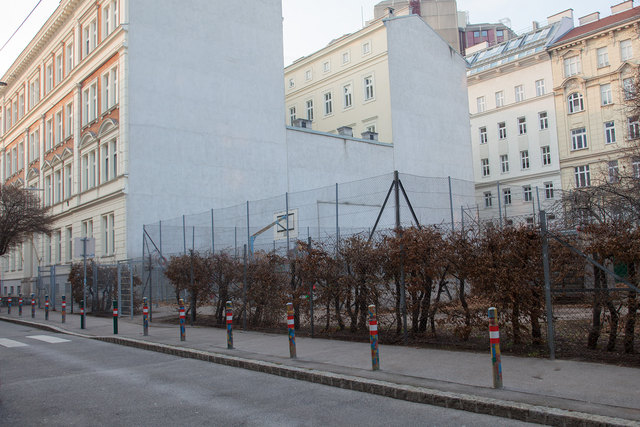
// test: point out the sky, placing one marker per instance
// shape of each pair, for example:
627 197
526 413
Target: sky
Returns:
308 25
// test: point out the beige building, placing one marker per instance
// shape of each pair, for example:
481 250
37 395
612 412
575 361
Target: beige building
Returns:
592 65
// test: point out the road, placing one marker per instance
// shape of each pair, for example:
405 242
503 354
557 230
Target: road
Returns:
54 379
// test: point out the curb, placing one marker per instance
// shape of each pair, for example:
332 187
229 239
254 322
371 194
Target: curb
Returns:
461 401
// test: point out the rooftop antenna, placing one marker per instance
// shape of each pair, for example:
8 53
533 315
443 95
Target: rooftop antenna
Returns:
362 14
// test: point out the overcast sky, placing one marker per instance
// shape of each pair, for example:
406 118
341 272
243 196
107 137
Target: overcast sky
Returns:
308 24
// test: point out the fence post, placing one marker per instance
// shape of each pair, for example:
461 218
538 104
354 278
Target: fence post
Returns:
451 204
229 326
33 306
494 339
547 284
145 317
182 320
64 307
373 338
19 304
46 307
9 304
115 317
311 286
82 315
292 331
244 291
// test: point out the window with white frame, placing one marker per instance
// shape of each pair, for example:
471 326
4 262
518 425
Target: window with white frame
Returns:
614 172
603 56
108 234
626 51
487 199
543 120
546 155
48 78
368 88
519 92
548 190
89 37
522 125
89 170
7 165
57 186
47 249
366 48
347 96
328 104
15 111
635 166
59 74
20 106
68 125
480 103
576 103
578 139
308 75
47 190
524 159
109 158
499 99
310 109
109 89
540 87
48 142
34 92
504 163
609 132
34 145
326 66
346 57
483 135
68 57
89 103
292 115
69 243
571 66
292 83
605 94
502 130
68 181
87 228
110 18
506 193
484 165
20 156
14 154
633 126
582 176
628 89
58 128
527 194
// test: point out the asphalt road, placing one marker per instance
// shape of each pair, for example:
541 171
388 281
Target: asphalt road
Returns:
77 381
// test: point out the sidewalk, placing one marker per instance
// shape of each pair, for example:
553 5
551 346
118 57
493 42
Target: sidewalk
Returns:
555 392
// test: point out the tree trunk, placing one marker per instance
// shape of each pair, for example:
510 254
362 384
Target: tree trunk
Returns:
465 307
596 325
613 332
416 299
629 328
536 331
328 322
434 307
398 307
337 307
515 322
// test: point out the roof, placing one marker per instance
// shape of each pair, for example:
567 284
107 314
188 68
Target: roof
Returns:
600 24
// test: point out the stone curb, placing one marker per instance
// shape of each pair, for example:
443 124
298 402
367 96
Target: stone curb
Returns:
461 401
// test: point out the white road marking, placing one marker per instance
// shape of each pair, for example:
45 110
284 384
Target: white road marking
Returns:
48 338
5 342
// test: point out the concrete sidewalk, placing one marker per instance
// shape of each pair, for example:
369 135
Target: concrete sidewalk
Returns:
559 392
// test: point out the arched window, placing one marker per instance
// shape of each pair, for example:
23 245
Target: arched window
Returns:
575 102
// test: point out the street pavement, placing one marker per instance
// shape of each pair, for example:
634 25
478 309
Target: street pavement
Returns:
562 389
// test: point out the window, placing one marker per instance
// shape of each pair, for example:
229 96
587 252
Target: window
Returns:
20 106
14 153
609 133
310 109
34 145
58 128
487 199
69 57
499 99
108 234
328 104
68 127
502 130
527 194
524 159
522 125
49 139
504 163
47 190
87 228
540 87
583 176
548 190
89 104
109 159
346 57
366 48
346 91
368 88
578 139
605 94
484 163
546 155
109 89
634 127
89 37
506 196
483 135
57 244
308 75
543 120
499 33
626 51
57 186
68 182
476 34
89 170
627 88
571 66
635 165
59 68
326 66
292 115
109 17
47 249
519 90
576 102
292 83
603 57
613 171
49 78
480 104
484 33
34 92
69 244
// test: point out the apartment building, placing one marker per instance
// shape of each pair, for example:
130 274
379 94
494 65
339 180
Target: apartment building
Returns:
513 123
594 65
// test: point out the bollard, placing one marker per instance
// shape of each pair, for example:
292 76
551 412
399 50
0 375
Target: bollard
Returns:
33 306
494 339
64 308
229 326
373 338
292 331
115 317
46 307
145 317
82 317
9 304
19 304
182 319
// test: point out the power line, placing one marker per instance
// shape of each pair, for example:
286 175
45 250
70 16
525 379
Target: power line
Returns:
20 26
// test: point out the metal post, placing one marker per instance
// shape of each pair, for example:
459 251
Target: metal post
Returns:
547 284
64 308
20 305
337 224
213 240
54 286
9 305
292 331
494 339
182 320
451 203
46 307
84 283
229 316
462 218
373 338
250 246
131 287
145 317
115 317
286 203
184 235
311 286
33 306
82 315
160 239
499 205
244 291
403 297
538 197
119 279
235 240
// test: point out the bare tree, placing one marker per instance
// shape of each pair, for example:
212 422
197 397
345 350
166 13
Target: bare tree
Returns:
20 215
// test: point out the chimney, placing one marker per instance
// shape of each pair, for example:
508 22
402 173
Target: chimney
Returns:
302 123
535 25
558 16
345 131
621 7
589 18
415 7
371 136
390 10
